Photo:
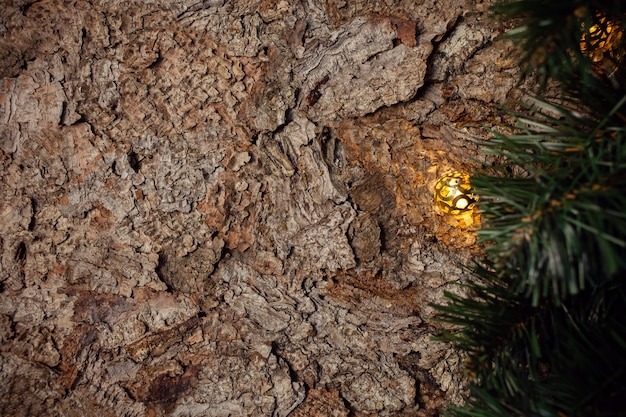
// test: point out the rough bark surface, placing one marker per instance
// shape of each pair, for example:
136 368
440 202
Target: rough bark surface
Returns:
224 208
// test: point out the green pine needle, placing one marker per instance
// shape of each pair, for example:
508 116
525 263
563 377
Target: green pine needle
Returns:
542 327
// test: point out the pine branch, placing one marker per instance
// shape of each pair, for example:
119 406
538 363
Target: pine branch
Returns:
543 327
548 360
550 36
561 242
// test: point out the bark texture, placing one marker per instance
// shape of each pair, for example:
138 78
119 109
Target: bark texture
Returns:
224 208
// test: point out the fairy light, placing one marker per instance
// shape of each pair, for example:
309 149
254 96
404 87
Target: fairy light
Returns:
454 198
603 38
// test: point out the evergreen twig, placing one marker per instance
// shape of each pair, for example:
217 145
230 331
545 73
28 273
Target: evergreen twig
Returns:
543 328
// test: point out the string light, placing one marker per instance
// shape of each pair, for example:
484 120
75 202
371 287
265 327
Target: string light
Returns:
454 198
601 40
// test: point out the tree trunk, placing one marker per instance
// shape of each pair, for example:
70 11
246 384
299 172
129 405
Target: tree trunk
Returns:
225 208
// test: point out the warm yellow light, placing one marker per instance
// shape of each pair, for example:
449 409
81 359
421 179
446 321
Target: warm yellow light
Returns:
454 198
603 38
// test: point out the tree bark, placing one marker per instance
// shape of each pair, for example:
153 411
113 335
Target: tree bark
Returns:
224 208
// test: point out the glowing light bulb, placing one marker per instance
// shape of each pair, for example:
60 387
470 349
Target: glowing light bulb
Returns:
602 39
454 198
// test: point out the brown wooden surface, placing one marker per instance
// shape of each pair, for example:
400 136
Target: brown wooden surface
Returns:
224 208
